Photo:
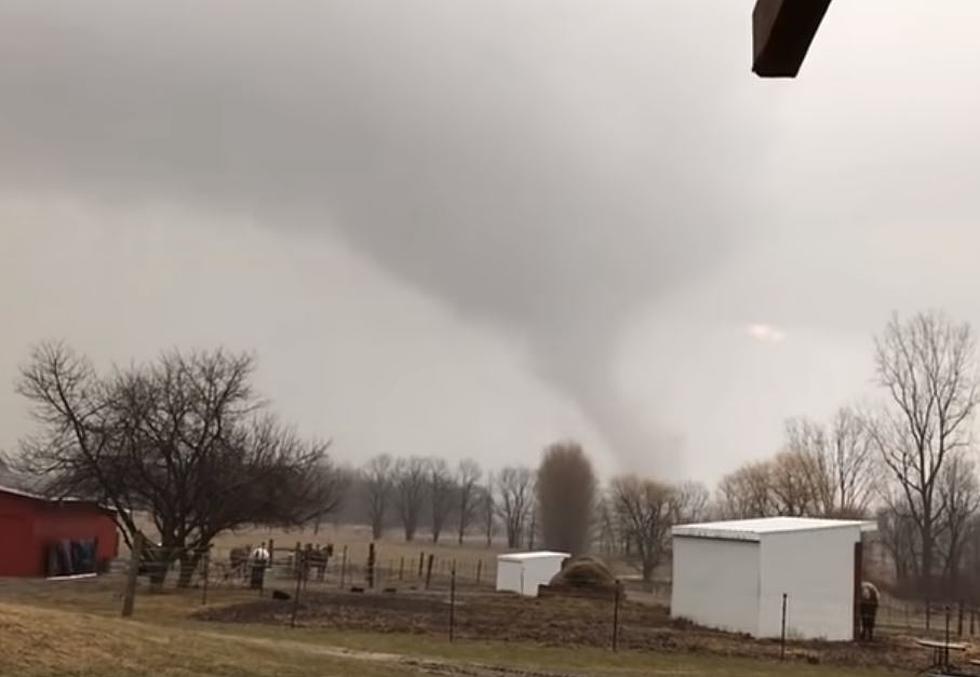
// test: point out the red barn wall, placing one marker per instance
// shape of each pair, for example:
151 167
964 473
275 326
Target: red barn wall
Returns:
76 522
29 525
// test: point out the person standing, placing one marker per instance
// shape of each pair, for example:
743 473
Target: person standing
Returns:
259 560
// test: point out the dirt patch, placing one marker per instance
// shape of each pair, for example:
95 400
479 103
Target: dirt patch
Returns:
553 621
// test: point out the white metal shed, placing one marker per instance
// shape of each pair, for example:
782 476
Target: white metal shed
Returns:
523 572
732 575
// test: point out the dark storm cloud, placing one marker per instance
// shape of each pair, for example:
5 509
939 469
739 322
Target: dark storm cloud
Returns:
548 167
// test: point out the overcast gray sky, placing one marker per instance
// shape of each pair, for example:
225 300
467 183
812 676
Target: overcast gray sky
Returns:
470 227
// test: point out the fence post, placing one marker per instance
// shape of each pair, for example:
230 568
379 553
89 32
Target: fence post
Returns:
207 575
370 565
973 618
343 567
307 561
421 562
615 628
782 633
428 571
928 613
479 570
135 558
946 643
959 620
268 569
300 577
401 569
452 602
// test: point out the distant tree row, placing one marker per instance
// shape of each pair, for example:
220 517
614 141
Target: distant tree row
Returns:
186 440
417 490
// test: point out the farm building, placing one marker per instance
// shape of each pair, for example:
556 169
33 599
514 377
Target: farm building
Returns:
43 537
733 575
523 572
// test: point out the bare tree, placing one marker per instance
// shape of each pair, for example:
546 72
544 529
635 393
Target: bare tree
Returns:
926 365
610 538
183 438
378 479
747 492
467 475
516 489
854 466
409 488
689 502
959 498
488 508
835 464
644 509
798 484
442 491
898 534
566 489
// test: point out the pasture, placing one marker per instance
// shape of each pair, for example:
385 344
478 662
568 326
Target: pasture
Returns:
73 627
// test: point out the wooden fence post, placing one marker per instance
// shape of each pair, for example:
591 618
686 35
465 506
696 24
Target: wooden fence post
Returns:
207 575
452 603
343 567
421 562
135 559
479 570
401 568
370 565
300 578
428 572
782 633
615 631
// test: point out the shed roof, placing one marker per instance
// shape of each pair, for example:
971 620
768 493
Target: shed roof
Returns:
753 529
538 554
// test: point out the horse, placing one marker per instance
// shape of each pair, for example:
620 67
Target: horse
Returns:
868 609
237 559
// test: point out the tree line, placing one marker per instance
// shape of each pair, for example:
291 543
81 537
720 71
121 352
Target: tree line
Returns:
186 440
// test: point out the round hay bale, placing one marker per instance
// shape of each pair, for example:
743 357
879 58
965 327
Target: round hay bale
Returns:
584 573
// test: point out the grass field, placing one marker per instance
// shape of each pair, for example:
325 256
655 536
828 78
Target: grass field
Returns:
73 628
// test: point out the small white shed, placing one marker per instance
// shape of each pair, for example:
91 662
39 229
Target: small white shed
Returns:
523 572
732 575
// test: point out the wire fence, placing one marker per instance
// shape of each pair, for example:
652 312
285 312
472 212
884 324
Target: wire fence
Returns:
293 571
928 617
325 584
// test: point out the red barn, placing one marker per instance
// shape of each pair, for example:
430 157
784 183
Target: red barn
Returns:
40 536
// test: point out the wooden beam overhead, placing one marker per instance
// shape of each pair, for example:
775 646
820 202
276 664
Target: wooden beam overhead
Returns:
782 31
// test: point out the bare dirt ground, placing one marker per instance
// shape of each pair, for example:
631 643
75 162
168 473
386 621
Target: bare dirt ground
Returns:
551 622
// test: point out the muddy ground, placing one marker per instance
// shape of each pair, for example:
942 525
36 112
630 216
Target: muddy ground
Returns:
556 621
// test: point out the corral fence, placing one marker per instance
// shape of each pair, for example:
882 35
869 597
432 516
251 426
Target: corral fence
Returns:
430 585
293 572
268 568
927 617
